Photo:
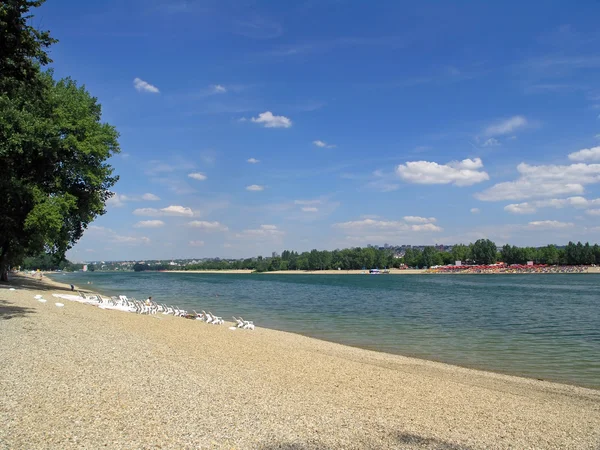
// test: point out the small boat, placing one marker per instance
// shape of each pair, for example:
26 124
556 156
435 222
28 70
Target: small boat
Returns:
374 272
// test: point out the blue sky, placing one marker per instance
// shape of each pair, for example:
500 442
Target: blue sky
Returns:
249 127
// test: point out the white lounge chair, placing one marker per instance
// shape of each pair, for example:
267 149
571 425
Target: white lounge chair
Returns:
247 324
216 319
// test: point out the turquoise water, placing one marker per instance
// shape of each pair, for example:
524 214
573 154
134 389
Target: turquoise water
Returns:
539 326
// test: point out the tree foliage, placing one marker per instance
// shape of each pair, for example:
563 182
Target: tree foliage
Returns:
54 175
483 251
45 261
22 47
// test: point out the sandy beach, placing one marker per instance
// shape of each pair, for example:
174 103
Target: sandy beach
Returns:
82 377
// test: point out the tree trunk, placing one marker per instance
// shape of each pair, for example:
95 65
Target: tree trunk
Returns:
4 262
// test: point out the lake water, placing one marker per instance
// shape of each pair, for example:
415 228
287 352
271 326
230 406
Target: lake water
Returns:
539 326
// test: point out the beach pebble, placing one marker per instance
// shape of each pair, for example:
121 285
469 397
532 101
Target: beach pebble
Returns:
60 305
42 300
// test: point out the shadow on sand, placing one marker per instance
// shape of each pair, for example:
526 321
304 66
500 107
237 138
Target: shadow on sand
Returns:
9 310
26 282
403 440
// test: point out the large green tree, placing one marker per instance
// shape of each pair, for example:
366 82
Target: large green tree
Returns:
484 251
54 175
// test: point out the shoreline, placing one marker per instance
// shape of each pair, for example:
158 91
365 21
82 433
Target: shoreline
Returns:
88 289
269 385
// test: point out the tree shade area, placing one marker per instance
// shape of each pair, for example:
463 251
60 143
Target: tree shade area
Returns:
482 252
54 175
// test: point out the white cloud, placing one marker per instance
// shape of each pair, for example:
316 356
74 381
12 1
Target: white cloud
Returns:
548 225
147 212
117 200
586 154
264 231
491 142
176 163
460 173
475 211
370 223
417 219
308 202
255 187
253 161
531 207
143 86
384 225
507 126
270 121
323 144
218 89
129 239
149 224
520 208
197 176
544 181
310 209
597 136
150 197
522 189
593 212
109 235
196 243
425 227
208 226
173 210
382 186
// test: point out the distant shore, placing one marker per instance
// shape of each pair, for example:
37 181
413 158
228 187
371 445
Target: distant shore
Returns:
363 272
303 272
81 377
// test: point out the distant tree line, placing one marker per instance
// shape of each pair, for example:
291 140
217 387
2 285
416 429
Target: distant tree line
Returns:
572 254
483 251
141 267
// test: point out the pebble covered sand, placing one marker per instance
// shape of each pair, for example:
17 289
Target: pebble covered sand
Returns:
82 377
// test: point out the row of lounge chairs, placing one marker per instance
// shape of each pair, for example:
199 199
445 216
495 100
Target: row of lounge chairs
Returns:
122 303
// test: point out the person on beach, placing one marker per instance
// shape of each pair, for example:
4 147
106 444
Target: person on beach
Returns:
72 288
149 301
